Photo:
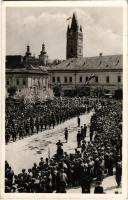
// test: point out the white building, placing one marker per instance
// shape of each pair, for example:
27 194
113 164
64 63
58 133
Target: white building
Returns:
28 81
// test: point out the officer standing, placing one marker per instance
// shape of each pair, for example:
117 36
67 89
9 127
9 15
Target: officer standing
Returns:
78 121
66 134
78 139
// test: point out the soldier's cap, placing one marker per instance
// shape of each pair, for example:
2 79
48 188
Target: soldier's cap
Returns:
98 183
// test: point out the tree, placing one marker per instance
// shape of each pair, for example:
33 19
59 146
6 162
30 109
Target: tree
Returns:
70 93
97 92
82 91
57 90
119 94
12 91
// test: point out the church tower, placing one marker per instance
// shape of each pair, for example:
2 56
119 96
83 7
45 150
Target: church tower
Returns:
43 57
28 57
74 47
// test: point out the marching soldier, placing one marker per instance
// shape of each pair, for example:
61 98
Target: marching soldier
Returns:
20 130
41 123
78 139
78 121
37 124
32 125
85 130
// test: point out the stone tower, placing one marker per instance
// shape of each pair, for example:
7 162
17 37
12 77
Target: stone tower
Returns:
43 57
74 47
27 57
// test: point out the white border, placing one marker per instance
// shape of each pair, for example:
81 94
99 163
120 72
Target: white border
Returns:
125 97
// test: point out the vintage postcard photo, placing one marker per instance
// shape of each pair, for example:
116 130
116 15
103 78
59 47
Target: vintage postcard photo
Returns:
64 93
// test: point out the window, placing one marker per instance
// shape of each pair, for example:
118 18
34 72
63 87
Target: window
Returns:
70 79
80 79
17 82
86 78
65 79
96 79
58 79
24 82
53 79
119 79
7 83
107 79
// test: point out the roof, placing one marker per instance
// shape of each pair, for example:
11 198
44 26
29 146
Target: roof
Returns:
32 70
91 63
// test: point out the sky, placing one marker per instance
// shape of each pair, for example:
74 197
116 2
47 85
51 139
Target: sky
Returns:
102 30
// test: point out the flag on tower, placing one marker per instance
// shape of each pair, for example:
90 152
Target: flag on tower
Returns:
69 18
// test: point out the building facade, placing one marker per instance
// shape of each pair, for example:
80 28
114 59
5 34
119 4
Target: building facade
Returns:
102 72
28 82
73 73
77 71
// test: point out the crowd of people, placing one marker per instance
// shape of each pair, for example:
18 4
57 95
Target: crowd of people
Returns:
25 119
93 159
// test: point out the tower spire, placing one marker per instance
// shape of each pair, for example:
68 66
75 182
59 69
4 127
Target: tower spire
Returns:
28 53
74 24
81 28
43 57
43 48
74 48
68 28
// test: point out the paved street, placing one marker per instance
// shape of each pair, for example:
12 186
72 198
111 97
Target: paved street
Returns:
23 153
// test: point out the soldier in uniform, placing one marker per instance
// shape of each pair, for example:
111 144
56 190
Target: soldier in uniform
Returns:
85 130
78 121
37 124
66 134
26 126
45 123
78 139
53 121
118 173
7 136
98 188
82 133
63 181
41 123
13 132
20 130
32 125
91 132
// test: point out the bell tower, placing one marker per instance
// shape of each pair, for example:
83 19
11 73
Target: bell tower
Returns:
74 48
43 57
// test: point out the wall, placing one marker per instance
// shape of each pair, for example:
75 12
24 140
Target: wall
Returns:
33 83
112 85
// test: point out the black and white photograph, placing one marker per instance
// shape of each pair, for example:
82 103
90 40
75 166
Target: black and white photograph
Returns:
64 99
